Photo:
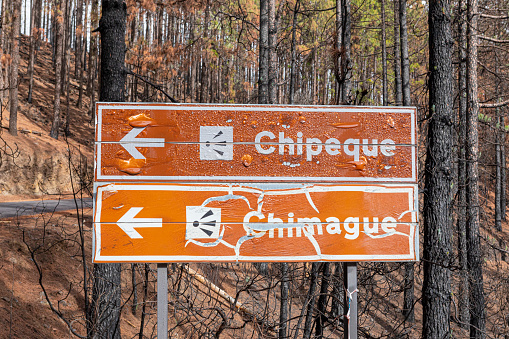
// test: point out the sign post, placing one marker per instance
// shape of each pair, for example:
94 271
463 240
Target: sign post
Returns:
255 183
162 301
351 311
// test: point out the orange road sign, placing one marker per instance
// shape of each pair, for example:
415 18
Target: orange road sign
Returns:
254 143
153 222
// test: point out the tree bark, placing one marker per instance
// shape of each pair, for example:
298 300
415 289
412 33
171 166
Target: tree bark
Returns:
79 57
408 298
13 84
283 310
310 300
293 53
503 199
405 62
476 293
321 317
498 159
34 40
263 57
398 95
461 194
385 94
106 289
338 55
2 50
272 49
92 58
439 176
346 62
59 41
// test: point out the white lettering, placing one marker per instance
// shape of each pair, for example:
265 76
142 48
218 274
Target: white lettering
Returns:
333 227
299 143
288 141
310 224
352 231
332 146
259 147
388 228
272 220
310 142
306 226
387 150
315 146
370 229
355 151
247 218
374 148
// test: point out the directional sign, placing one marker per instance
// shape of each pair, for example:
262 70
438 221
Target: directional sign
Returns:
183 223
254 143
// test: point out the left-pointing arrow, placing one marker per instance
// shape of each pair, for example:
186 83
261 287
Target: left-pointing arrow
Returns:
127 222
130 142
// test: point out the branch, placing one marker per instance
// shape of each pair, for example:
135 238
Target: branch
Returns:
482 15
493 39
151 84
493 246
494 105
46 296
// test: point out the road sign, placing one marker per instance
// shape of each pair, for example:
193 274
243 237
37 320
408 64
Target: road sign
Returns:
254 143
185 223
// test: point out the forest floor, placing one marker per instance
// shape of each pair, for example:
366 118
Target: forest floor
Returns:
44 251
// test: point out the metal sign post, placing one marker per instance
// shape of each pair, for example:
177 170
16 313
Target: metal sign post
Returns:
351 311
162 301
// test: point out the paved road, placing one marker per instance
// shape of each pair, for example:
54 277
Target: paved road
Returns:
23 208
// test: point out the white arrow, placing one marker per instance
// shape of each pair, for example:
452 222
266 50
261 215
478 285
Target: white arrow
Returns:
130 142
127 223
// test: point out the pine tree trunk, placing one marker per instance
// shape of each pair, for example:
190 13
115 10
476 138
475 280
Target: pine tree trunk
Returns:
408 298
439 176
283 311
321 317
107 288
503 199
80 48
34 40
272 42
346 62
385 94
2 50
498 161
461 194
398 95
338 53
293 53
263 61
13 84
59 41
476 293
310 300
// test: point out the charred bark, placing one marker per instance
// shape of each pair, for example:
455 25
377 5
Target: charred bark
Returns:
439 176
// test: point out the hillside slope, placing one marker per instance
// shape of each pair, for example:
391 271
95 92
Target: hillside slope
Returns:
33 164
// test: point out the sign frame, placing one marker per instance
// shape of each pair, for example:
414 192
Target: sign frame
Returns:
100 106
410 189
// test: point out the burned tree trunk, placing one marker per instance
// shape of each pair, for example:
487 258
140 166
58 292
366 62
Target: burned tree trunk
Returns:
439 177
106 289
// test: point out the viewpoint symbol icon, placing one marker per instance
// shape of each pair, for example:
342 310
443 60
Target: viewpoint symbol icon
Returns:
216 143
202 222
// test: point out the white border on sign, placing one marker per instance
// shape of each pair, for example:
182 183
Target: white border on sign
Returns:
286 108
411 190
